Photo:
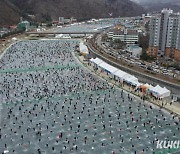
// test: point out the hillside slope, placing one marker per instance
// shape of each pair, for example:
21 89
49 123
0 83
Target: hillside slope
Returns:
9 14
81 9
175 6
157 5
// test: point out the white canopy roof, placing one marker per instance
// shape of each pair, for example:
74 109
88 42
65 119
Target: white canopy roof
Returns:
120 74
160 92
127 77
96 60
108 67
83 48
131 78
116 72
156 89
165 92
136 83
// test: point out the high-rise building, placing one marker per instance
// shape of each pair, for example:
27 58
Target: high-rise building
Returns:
165 34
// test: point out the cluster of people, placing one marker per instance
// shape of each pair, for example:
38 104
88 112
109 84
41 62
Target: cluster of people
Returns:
67 109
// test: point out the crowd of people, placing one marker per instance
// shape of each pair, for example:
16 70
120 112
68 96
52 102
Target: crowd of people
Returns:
50 103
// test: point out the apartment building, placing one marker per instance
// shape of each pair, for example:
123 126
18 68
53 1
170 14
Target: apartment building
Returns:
165 34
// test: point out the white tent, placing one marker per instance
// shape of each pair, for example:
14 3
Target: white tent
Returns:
131 79
119 75
160 92
96 61
116 73
108 68
83 48
165 92
136 83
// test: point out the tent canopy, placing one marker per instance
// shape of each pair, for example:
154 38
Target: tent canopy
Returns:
97 61
131 78
136 83
108 67
160 92
120 74
83 48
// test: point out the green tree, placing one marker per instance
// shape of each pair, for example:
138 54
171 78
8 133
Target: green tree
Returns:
145 56
144 41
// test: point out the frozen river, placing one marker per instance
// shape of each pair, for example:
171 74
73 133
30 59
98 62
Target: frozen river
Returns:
50 103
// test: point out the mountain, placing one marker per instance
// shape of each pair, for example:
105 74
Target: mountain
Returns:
45 10
153 1
9 13
157 5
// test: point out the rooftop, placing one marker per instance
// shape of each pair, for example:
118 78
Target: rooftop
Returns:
121 32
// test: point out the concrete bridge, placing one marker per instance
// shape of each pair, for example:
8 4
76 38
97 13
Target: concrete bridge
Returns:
43 34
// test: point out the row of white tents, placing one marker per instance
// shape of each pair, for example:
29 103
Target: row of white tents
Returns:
114 72
122 76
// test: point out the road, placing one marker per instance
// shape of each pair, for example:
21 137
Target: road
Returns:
144 78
